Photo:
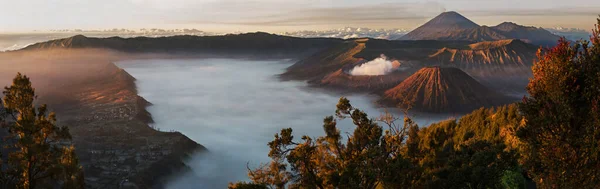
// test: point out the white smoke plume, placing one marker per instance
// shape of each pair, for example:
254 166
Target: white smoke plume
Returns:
379 66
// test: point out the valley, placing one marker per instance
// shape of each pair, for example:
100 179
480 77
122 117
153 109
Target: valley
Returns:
174 111
230 105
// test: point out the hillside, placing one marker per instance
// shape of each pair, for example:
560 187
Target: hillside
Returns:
453 26
529 34
325 61
501 65
343 81
441 89
107 119
496 53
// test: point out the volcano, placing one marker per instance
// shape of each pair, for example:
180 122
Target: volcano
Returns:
443 24
441 89
452 26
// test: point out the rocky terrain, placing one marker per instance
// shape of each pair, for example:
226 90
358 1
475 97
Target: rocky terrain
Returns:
453 26
110 127
122 147
441 89
501 65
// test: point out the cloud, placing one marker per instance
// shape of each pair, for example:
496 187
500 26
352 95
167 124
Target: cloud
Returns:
378 66
301 14
563 11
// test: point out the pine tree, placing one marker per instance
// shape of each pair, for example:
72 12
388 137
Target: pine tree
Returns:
40 153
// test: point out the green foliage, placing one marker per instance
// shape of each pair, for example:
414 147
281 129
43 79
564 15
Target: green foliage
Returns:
469 153
489 124
39 154
512 179
401 156
367 159
562 116
477 165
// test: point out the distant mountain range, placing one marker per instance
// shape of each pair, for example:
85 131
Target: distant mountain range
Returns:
249 44
140 32
453 26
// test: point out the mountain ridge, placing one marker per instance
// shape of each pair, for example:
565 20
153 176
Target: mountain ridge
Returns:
443 28
503 65
255 44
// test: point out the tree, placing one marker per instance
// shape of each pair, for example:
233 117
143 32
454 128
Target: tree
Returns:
368 159
562 128
402 156
40 153
451 157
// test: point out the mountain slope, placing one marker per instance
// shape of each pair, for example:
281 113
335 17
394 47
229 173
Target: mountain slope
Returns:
503 65
99 103
325 61
500 53
439 89
342 80
445 23
527 33
453 26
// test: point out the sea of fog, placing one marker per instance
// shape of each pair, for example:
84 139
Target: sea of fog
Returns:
234 107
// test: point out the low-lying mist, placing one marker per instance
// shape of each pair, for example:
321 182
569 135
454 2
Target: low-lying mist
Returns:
233 108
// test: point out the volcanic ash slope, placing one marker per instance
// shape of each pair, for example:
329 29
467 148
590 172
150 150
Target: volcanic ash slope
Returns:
441 89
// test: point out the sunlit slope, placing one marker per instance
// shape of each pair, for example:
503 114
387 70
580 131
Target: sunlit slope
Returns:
501 65
441 89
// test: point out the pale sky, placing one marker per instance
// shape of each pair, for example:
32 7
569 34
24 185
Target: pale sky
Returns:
284 15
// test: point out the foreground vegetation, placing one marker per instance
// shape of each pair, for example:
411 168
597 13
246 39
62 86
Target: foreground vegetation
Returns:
550 139
39 153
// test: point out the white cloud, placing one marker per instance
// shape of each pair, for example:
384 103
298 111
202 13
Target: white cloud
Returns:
379 66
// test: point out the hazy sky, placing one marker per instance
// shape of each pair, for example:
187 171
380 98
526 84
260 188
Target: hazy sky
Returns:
283 15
